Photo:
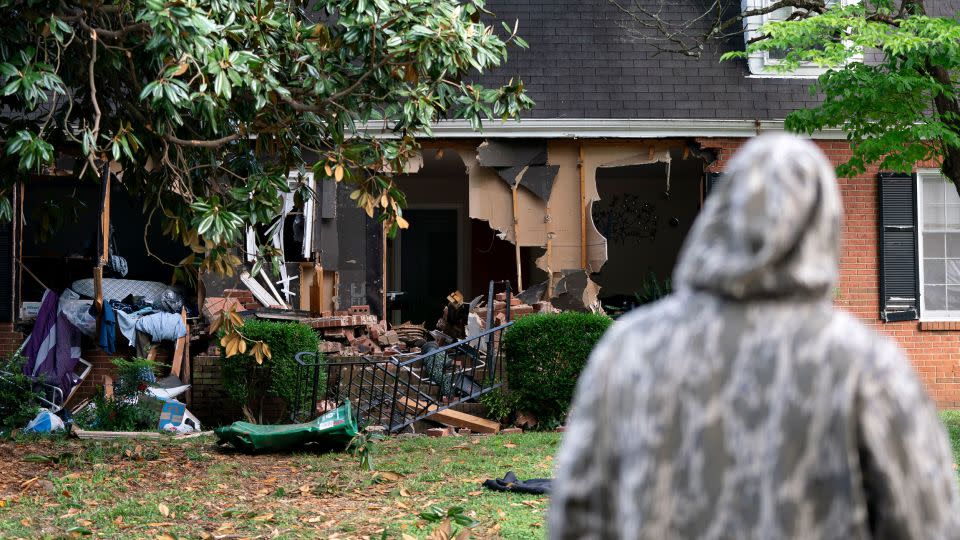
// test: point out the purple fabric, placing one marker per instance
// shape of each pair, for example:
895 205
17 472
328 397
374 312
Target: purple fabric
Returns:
40 350
68 353
53 348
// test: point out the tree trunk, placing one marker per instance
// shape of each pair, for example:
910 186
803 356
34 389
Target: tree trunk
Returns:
948 107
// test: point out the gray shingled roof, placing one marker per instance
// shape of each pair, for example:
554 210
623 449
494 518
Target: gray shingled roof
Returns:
582 63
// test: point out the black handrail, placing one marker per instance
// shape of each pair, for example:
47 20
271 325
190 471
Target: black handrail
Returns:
402 387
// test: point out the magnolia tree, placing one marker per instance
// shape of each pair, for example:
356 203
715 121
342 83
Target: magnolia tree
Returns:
206 106
891 81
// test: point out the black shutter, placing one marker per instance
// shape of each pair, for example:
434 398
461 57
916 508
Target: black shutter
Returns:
899 275
713 180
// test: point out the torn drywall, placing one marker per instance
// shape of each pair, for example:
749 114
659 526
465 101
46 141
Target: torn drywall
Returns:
491 201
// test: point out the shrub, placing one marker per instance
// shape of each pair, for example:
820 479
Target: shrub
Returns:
18 401
130 409
545 354
500 404
249 384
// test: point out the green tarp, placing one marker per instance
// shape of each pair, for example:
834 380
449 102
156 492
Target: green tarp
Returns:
334 429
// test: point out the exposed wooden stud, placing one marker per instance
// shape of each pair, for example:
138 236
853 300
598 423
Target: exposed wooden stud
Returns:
516 233
318 289
583 208
383 273
273 290
180 350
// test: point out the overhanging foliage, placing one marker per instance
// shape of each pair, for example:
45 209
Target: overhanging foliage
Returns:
207 105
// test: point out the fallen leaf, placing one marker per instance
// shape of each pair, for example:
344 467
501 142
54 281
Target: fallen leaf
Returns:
475 493
84 522
263 517
25 522
406 536
119 520
164 537
163 509
388 476
509 445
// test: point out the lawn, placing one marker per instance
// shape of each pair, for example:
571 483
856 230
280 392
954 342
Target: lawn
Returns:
170 489
952 420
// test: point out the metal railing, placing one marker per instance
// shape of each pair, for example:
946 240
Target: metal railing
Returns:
397 391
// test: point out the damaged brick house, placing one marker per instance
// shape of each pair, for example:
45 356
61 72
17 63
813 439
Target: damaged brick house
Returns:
603 179
632 141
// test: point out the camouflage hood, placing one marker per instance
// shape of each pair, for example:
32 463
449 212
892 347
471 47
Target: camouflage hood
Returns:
771 228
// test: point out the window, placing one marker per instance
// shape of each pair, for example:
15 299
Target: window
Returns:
760 63
939 206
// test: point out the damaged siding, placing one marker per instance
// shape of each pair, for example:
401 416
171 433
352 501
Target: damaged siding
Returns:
554 224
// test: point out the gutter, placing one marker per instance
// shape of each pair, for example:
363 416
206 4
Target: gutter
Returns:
588 128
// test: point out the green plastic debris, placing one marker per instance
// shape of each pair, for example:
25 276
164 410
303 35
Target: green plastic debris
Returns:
333 430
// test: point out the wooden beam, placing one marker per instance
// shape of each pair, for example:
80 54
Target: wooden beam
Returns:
104 241
516 234
318 289
180 349
107 435
383 272
451 417
583 209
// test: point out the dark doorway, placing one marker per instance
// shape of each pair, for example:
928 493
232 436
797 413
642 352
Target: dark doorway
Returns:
426 278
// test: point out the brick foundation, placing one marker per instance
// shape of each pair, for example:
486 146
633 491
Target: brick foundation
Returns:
210 402
10 340
933 347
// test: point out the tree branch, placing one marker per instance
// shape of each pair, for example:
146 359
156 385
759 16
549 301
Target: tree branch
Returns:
214 143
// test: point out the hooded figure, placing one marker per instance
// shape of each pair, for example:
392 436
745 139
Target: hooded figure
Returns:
744 405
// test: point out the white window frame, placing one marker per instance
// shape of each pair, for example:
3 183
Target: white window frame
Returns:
925 314
759 63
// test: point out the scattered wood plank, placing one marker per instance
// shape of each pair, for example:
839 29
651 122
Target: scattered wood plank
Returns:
258 291
107 435
453 418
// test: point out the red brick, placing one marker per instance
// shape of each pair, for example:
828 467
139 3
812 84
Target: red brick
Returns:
933 347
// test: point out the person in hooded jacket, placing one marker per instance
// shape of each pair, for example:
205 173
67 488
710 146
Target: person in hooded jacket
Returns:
744 405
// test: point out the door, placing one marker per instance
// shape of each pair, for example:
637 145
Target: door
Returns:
428 264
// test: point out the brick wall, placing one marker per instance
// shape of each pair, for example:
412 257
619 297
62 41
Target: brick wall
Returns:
209 400
934 348
10 340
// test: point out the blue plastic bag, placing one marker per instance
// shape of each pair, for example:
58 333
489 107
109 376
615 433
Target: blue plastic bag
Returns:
44 422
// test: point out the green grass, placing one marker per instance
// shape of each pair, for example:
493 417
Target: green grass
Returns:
190 489
952 421
53 488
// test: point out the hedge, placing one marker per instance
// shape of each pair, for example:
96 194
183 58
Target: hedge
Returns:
248 383
545 354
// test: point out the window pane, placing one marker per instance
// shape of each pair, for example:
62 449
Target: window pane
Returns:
950 195
934 271
953 271
953 216
953 298
953 245
933 245
935 297
933 188
934 216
